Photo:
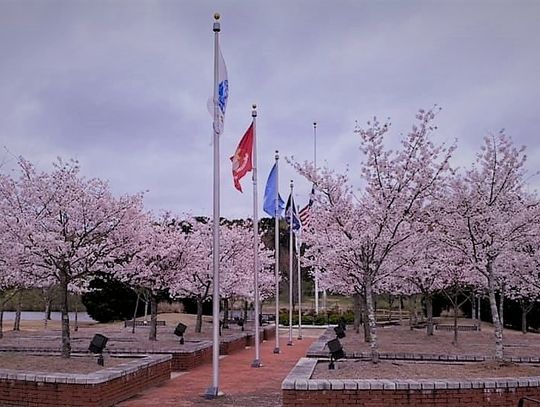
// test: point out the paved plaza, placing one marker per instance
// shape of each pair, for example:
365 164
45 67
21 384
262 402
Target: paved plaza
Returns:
243 386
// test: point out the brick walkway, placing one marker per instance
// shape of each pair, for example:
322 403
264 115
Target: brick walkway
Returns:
243 385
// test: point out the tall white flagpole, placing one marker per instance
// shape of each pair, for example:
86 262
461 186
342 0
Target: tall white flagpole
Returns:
276 241
299 275
257 361
213 391
315 165
291 254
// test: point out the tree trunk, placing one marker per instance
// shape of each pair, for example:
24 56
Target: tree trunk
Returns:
523 319
198 323
501 307
479 313
417 307
455 341
357 310
363 312
246 306
47 313
225 313
400 305
17 322
135 312
373 344
66 340
2 322
525 308
473 309
498 331
412 313
429 309
153 318
76 318
390 304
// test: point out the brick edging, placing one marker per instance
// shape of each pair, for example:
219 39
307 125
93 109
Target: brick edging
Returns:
101 376
300 379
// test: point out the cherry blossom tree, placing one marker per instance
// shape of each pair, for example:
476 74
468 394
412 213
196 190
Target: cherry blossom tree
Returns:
397 186
69 227
524 280
425 264
165 252
489 216
237 280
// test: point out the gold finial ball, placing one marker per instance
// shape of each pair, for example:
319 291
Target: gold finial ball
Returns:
216 16
254 106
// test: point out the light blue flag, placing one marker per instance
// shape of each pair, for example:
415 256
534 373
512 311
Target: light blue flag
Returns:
270 193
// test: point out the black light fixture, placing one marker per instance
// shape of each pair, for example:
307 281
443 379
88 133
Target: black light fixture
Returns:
240 323
340 332
97 345
179 331
336 352
342 323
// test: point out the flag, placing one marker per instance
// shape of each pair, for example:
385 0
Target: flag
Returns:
223 95
242 158
296 225
270 192
305 212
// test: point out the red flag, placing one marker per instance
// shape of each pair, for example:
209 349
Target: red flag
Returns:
241 160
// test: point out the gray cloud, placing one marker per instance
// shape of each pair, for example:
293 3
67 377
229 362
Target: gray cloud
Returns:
122 86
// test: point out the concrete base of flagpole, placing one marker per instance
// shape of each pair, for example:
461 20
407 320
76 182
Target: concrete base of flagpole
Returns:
299 338
289 343
213 393
276 350
256 363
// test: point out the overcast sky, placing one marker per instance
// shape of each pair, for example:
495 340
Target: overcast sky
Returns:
122 86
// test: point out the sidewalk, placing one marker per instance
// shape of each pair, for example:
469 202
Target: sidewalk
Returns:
242 385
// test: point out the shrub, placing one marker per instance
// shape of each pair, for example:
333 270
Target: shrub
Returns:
110 300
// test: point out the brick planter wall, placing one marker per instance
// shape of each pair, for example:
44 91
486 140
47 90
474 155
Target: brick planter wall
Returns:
301 391
203 353
100 389
269 332
188 360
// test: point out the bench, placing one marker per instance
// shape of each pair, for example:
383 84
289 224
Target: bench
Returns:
142 323
450 327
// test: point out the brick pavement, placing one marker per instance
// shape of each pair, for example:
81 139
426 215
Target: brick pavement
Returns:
243 386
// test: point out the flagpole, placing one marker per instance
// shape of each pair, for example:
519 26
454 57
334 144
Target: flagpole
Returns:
213 391
276 241
315 166
257 361
291 253
299 275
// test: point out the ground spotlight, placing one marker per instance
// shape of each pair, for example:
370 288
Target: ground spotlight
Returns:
240 323
336 352
97 345
179 331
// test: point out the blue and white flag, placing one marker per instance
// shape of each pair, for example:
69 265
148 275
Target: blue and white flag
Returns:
291 207
223 95
270 206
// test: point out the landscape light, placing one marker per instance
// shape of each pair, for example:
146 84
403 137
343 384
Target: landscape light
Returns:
179 331
240 323
336 352
97 345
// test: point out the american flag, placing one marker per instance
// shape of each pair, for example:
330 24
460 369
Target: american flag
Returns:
305 212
